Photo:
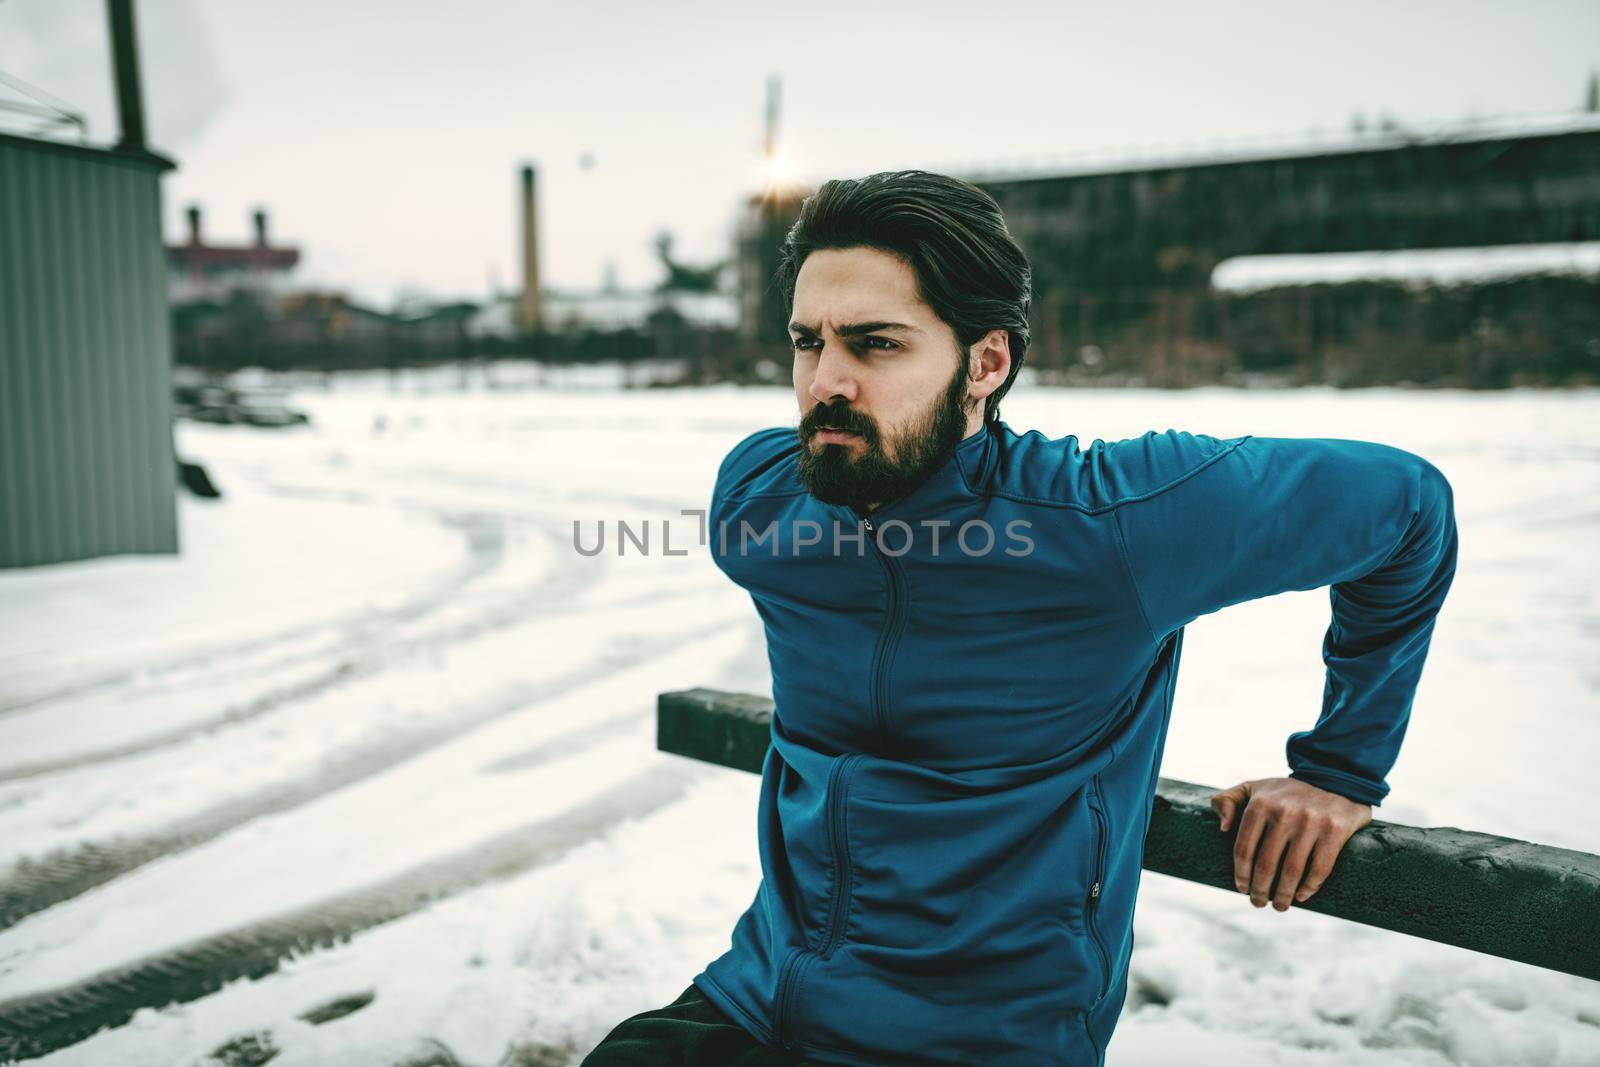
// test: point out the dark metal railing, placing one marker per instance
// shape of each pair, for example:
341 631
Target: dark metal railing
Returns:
1514 899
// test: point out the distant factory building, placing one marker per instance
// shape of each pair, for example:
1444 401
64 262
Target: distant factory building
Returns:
616 309
763 316
200 271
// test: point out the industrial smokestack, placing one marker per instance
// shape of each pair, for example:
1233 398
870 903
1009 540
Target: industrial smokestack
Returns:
529 311
774 107
194 225
260 220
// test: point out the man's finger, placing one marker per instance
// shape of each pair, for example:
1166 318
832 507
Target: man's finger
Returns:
1251 825
1322 857
1227 803
1294 866
1224 805
1268 856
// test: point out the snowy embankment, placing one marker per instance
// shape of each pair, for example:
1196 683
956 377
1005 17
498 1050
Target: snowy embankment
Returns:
380 683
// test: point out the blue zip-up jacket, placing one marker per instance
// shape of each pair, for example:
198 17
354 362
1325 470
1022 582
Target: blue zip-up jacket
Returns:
971 694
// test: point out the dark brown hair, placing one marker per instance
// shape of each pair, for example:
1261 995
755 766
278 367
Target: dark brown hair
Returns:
969 268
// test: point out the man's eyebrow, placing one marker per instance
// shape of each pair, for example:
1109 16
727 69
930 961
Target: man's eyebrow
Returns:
855 329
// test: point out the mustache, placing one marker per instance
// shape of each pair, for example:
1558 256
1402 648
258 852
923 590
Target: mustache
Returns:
823 419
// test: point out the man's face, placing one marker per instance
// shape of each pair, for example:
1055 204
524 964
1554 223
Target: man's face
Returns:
872 360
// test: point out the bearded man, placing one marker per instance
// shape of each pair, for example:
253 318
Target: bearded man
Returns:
974 635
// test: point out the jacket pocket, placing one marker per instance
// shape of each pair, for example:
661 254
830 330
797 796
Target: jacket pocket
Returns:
1091 909
839 847
821 943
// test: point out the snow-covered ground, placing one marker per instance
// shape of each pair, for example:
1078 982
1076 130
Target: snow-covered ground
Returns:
381 685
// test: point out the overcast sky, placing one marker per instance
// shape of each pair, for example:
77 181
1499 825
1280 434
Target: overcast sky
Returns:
383 135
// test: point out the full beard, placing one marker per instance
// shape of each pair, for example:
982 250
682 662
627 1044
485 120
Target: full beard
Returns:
833 477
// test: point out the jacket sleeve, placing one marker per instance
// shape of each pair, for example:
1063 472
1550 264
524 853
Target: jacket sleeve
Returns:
1254 516
752 455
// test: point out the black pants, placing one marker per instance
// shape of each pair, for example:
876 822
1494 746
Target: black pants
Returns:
689 1032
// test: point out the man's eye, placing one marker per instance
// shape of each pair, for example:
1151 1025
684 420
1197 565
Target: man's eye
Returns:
882 344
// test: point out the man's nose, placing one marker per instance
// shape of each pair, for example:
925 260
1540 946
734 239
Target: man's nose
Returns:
835 376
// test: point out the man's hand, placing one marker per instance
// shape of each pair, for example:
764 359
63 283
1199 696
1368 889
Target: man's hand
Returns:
1292 821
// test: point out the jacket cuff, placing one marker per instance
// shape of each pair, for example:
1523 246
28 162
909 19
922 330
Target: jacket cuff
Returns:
1346 785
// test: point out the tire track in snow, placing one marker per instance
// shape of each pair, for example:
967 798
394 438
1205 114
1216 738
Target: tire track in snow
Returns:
44 1022
526 605
35 884
485 540
377 650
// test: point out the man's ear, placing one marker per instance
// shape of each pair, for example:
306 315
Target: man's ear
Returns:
988 363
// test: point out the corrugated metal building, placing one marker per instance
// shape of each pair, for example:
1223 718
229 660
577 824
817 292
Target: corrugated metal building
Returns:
86 453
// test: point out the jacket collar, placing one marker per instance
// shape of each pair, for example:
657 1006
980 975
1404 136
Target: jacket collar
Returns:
962 476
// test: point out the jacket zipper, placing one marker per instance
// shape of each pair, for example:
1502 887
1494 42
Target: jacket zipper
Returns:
888 639
785 982
1095 889
833 932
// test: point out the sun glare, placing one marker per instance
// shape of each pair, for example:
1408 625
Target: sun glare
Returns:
779 170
